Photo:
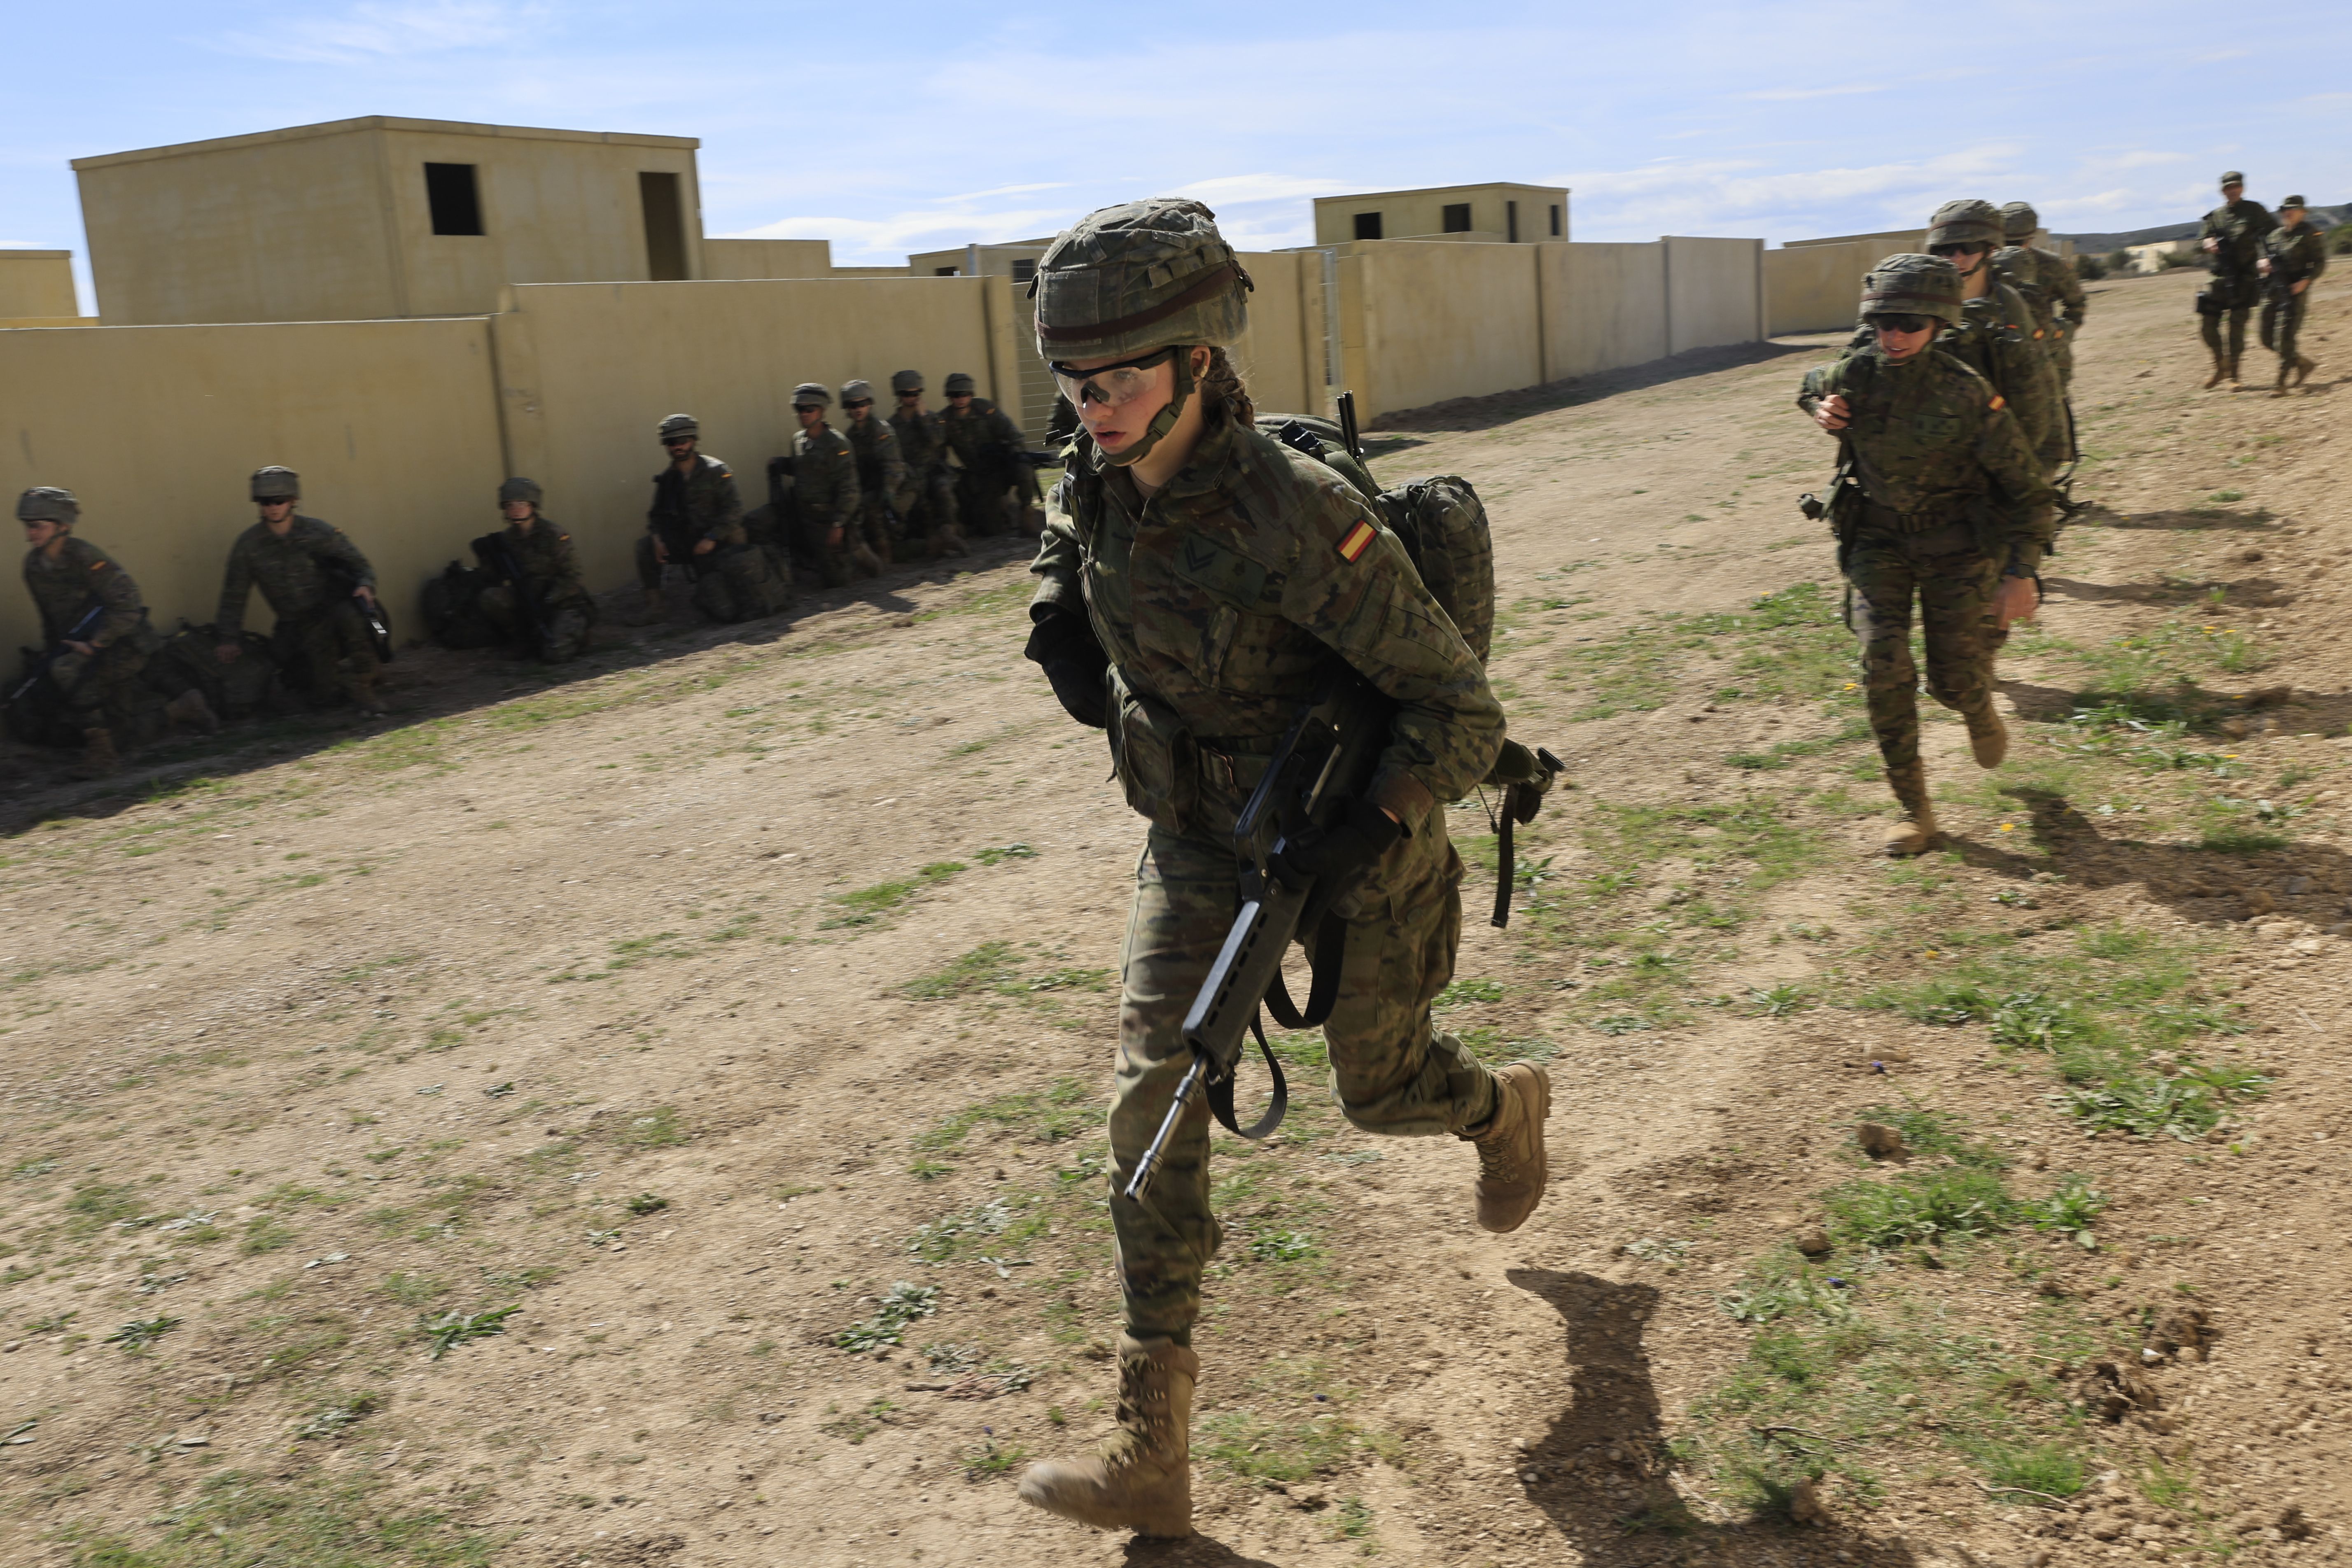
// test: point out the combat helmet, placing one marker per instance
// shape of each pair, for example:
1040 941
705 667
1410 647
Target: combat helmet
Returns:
856 392
811 395
960 384
677 424
277 483
1966 223
48 503
907 381
518 488
1911 285
1147 275
2019 221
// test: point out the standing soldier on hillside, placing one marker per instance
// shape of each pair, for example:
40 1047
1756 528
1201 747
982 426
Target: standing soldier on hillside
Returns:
1938 498
98 659
2056 292
547 612
1996 335
2231 238
314 580
825 492
1198 584
923 443
988 445
2293 255
885 494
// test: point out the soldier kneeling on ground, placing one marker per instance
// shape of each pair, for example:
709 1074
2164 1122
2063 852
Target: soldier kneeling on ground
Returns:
993 481
536 602
321 590
931 513
99 641
697 523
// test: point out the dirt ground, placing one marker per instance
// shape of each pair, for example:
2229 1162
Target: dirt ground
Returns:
763 1079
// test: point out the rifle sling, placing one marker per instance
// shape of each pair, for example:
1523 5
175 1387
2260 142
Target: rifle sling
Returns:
1220 1090
1506 862
1324 962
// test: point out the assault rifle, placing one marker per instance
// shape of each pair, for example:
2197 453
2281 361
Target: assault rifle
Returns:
1323 762
83 625
494 552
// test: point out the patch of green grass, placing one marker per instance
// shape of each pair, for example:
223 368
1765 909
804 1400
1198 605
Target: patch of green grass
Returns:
309 1519
450 1329
867 906
265 1233
137 1335
1919 1206
1276 1448
989 1460
647 1202
902 1304
1069 1109
658 1128
1464 992
988 964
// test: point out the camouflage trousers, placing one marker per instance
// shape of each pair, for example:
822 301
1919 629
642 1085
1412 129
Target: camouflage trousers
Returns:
878 525
930 511
94 689
1391 1071
324 652
2235 297
562 630
732 583
2062 352
2282 323
1954 583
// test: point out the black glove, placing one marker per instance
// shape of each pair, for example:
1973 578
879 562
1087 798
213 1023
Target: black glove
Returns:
1063 646
1340 850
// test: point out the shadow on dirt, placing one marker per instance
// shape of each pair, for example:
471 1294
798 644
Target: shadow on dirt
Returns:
2243 594
1601 1470
2193 518
1502 407
427 683
2205 886
1193 1551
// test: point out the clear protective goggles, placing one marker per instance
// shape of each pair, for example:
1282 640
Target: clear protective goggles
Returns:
1108 384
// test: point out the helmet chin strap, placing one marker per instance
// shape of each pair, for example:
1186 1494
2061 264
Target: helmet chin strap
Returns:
1165 420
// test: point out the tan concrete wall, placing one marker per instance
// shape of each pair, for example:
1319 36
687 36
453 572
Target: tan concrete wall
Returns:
36 284
1423 323
1815 288
1410 215
744 258
331 222
1281 358
257 231
1891 242
1604 307
392 425
1715 292
586 370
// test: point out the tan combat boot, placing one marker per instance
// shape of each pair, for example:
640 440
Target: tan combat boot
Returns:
1916 833
2304 366
99 757
361 687
2221 369
1140 1478
1987 737
867 561
949 542
189 711
1512 1166
2235 384
2278 388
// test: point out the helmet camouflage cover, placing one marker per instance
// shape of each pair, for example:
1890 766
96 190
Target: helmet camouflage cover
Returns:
1129 279
277 483
1911 285
519 488
48 503
1965 222
958 382
677 424
907 381
2019 220
810 394
856 392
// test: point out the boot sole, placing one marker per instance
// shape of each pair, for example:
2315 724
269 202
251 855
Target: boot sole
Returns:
1165 1527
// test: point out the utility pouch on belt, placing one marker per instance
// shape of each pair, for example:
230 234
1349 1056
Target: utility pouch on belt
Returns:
1156 758
2208 303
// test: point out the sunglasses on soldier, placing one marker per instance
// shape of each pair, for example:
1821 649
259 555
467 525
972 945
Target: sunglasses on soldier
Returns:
859 403
1886 322
1108 384
1972 248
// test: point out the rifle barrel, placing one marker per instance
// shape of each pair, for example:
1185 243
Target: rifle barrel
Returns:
1146 1168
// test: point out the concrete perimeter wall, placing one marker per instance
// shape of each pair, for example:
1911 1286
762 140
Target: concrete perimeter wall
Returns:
392 425
36 284
1816 286
585 370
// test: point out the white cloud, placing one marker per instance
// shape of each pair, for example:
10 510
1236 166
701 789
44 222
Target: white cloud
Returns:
374 30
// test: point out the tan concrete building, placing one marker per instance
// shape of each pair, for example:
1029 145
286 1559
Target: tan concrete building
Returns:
380 217
1507 214
36 284
1016 259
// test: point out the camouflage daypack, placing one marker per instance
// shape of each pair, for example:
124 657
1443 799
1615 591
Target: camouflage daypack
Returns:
453 608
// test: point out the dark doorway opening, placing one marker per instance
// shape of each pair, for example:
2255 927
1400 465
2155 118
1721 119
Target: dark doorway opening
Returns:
451 196
1368 225
665 227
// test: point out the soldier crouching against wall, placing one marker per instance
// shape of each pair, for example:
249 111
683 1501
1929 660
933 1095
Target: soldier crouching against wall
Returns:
923 444
885 492
1199 583
987 447
538 604
95 627
825 492
697 523
314 580
1940 497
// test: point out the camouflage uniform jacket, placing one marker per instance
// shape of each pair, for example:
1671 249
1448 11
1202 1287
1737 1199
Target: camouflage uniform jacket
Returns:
825 477
2296 254
287 571
1227 594
1932 442
2048 282
2240 225
922 440
980 426
698 505
880 469
82 574
544 552
1998 339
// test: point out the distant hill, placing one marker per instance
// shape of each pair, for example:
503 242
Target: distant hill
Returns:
2100 244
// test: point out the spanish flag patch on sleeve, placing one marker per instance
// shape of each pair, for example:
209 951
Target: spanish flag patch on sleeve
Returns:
1998 403
1358 540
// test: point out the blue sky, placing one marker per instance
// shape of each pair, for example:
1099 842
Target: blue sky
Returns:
918 126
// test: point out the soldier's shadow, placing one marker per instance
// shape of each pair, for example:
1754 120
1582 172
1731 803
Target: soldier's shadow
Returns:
2245 594
1602 1468
1192 1552
2194 519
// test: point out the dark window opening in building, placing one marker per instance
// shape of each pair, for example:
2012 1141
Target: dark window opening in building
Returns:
1024 269
943 271
450 196
1457 218
665 227
1555 220
1511 222
1368 225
